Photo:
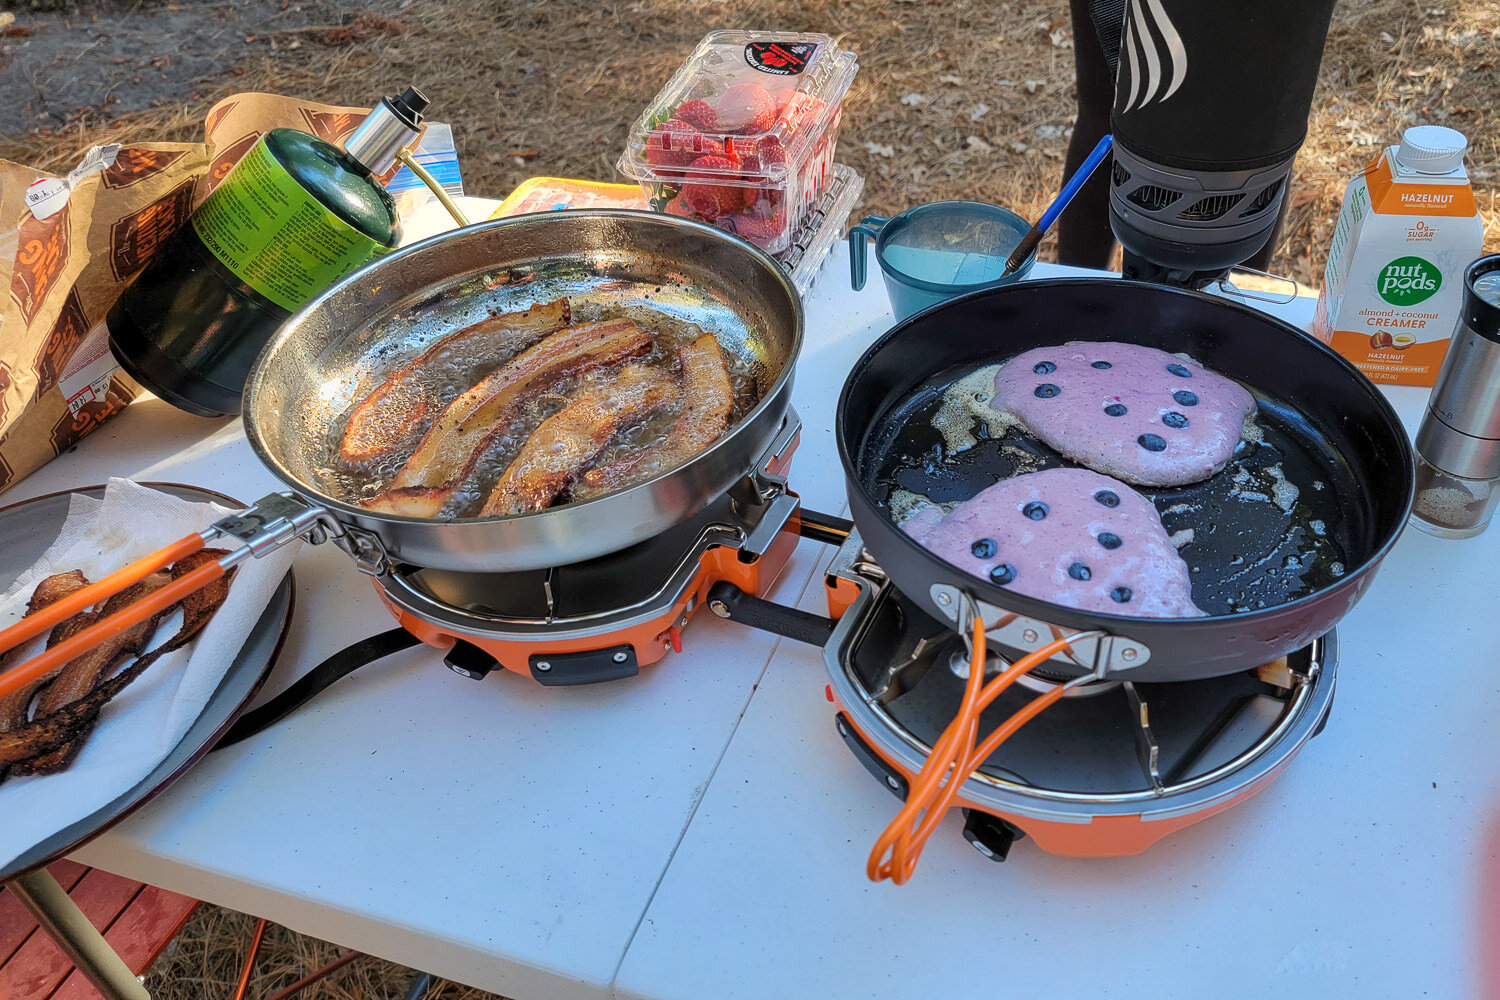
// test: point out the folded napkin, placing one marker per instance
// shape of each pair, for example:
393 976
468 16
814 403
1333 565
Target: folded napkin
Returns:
139 728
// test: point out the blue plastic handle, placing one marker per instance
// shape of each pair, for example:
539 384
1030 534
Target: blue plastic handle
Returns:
1074 183
868 229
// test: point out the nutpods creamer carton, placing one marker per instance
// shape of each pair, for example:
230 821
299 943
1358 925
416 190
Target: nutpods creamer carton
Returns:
1394 282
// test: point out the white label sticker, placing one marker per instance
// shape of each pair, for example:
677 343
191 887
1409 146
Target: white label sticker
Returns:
88 372
46 197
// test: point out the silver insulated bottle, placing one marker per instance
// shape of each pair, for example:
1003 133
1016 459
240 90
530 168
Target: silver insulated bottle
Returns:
1458 445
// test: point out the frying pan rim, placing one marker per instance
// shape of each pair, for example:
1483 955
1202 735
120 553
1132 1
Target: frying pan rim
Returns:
1057 613
333 504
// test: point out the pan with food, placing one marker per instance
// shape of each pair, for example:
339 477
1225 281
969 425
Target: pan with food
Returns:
1279 543
516 395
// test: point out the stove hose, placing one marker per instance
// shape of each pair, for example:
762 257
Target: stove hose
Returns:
955 756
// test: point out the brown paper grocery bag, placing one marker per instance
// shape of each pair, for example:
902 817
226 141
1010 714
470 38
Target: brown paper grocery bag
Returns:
69 246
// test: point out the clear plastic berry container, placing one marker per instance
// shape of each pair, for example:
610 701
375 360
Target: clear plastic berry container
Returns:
743 135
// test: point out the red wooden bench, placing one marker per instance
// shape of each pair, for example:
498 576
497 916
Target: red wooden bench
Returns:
137 920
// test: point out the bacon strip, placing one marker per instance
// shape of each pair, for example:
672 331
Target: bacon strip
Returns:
474 421
79 677
566 442
707 400
54 738
15 708
393 416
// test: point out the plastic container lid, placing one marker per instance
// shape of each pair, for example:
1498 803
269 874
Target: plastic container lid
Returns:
768 96
1431 149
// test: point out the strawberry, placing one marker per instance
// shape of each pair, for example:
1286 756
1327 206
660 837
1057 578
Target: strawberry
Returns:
758 228
801 110
674 144
679 208
711 200
745 108
699 114
765 202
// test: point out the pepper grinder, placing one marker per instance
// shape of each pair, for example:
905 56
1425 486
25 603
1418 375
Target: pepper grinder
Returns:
1458 445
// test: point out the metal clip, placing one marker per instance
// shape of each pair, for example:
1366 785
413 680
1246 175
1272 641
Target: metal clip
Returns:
1093 650
1227 287
369 555
768 483
1147 750
274 521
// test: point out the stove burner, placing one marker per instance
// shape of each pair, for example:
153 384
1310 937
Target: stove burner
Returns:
1107 771
603 619
1039 680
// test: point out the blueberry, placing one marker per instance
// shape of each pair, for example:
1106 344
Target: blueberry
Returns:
1116 410
1047 390
1101 365
1003 574
984 548
1034 510
1044 368
1185 397
1079 571
1121 594
1175 420
1152 442
1108 498
1179 371
1109 540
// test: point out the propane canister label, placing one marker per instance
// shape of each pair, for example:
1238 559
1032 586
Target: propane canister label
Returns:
275 236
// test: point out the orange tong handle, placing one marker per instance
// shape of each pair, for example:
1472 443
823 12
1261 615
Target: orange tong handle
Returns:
954 757
53 614
106 628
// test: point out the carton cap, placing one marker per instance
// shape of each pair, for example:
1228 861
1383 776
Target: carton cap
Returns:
1431 149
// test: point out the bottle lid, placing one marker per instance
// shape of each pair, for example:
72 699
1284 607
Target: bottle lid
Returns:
388 129
1431 149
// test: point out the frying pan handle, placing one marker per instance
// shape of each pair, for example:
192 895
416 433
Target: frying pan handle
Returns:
868 229
273 522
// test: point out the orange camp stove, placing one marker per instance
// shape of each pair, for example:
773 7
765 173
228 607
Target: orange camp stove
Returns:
1107 770
604 619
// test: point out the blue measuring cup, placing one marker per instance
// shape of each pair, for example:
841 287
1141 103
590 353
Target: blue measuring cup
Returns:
934 252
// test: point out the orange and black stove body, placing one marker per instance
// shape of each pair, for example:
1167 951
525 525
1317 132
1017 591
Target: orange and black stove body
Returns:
606 618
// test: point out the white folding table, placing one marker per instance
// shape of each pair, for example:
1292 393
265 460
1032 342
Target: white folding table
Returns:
699 831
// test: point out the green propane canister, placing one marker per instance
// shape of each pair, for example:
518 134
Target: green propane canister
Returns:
293 216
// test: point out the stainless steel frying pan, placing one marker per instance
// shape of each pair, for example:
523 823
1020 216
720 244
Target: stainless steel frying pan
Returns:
308 377
338 347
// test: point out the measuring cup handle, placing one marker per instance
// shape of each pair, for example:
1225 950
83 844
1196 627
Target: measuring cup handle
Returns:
868 229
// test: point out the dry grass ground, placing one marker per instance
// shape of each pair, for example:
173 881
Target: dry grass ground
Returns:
955 99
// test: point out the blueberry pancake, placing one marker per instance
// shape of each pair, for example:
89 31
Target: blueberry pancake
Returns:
1067 536
1132 412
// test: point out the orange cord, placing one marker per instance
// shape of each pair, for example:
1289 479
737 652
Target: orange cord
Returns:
107 628
35 624
954 757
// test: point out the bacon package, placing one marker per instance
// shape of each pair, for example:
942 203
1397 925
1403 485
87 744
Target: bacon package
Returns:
743 135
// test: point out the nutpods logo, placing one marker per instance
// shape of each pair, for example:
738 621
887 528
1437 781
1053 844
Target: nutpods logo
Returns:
1406 281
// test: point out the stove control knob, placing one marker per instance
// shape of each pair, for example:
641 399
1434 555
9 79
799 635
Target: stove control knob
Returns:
990 835
469 660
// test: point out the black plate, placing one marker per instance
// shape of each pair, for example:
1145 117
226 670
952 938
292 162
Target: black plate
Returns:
27 529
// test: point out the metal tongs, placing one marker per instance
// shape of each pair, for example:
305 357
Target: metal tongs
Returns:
262 529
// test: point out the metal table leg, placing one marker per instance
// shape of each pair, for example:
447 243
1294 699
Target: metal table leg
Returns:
65 923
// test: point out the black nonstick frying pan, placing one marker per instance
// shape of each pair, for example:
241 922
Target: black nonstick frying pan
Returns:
1272 576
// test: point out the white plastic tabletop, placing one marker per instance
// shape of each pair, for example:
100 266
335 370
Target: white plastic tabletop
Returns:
689 834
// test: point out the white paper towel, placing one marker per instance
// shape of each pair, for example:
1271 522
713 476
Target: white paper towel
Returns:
144 722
